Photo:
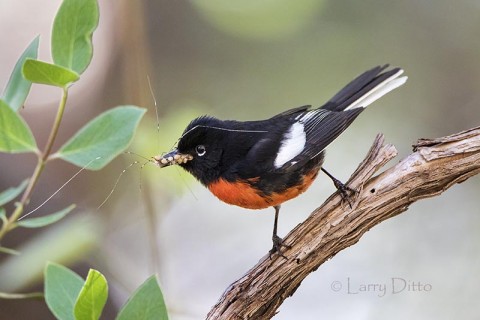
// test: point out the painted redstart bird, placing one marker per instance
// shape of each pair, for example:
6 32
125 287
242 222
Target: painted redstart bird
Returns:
261 164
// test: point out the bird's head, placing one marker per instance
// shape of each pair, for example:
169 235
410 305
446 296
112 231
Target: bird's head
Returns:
199 149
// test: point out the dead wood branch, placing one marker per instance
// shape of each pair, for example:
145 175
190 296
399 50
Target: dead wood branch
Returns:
434 166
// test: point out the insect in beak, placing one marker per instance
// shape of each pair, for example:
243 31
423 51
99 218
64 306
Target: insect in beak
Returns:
173 157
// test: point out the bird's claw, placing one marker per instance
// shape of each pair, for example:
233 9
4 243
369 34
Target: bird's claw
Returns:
277 246
344 190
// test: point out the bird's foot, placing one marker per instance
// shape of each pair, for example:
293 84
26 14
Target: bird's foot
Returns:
277 246
345 191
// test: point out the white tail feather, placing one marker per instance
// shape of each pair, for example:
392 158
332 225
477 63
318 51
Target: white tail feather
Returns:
380 90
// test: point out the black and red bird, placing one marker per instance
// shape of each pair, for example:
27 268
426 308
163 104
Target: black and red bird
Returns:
261 164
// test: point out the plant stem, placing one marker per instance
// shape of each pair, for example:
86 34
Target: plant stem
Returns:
56 125
42 160
34 295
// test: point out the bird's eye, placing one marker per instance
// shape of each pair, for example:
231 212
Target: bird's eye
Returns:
200 149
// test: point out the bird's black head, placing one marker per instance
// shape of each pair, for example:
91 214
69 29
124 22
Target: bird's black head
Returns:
199 149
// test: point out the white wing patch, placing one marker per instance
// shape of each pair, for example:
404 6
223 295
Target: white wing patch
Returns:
292 145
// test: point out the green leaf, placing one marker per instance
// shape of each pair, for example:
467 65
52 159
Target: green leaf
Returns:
11 193
145 303
50 74
45 220
62 287
18 87
67 241
72 34
92 297
15 135
104 137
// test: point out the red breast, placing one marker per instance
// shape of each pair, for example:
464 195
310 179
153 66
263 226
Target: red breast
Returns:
243 194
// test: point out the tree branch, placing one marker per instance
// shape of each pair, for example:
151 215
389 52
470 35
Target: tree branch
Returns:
434 166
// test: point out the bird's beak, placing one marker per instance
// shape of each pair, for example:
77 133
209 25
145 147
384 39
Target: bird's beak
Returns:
173 157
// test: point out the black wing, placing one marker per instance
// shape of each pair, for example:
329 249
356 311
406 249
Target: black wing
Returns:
321 128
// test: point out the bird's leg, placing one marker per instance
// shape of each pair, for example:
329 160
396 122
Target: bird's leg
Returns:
277 241
341 187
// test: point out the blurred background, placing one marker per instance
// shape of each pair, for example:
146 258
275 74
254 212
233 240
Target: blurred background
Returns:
250 60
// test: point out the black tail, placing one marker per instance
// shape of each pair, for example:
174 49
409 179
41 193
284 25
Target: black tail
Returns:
366 88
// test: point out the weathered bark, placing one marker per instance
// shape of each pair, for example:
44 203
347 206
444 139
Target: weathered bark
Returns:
434 166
